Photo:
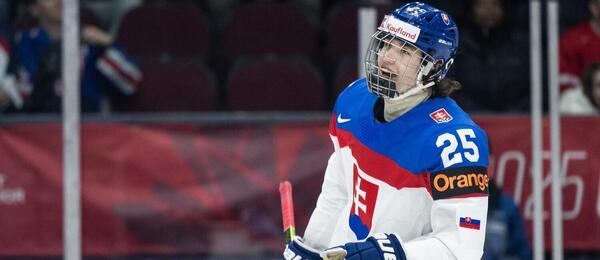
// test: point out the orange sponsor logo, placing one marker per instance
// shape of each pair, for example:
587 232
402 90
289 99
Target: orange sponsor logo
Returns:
443 182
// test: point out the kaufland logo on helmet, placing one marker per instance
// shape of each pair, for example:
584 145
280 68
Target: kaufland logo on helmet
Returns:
399 28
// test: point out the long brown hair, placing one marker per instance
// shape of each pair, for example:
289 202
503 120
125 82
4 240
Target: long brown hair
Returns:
445 87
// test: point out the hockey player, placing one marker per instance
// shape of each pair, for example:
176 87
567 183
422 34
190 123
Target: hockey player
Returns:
407 178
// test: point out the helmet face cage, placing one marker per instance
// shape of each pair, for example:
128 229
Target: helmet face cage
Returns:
394 66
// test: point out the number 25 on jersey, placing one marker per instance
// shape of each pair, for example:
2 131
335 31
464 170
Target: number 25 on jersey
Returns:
451 153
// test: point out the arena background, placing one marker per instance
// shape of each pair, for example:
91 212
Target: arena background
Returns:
235 98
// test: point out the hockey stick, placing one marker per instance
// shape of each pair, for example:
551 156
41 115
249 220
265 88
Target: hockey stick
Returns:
287 210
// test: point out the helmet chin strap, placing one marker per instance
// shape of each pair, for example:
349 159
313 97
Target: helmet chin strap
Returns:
419 85
396 108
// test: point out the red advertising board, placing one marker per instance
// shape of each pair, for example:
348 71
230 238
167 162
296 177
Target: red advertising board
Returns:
187 188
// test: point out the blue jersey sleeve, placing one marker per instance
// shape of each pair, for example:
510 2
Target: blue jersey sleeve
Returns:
117 67
457 159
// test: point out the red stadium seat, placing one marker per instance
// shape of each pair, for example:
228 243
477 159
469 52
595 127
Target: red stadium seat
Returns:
178 31
346 73
342 29
275 84
262 28
174 86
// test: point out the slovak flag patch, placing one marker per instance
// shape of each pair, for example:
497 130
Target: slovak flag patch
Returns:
468 222
441 116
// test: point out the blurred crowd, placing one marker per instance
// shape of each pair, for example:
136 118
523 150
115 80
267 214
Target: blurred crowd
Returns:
258 55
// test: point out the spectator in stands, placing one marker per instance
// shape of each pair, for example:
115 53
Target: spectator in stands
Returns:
505 236
10 98
579 47
106 69
493 64
584 100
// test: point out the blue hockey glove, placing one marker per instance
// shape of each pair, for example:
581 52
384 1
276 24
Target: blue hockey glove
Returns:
378 246
297 250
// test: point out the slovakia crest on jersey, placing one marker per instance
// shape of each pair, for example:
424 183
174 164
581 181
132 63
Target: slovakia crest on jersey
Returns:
364 196
441 116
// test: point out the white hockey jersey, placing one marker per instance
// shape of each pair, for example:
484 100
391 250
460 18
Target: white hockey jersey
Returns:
422 176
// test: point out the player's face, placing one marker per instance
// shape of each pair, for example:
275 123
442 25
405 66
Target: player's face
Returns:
400 62
49 9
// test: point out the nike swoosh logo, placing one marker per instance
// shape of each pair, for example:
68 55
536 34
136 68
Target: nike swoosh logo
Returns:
342 120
